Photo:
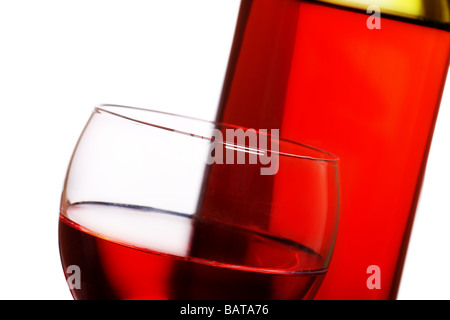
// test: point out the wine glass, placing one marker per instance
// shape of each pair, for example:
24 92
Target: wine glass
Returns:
160 206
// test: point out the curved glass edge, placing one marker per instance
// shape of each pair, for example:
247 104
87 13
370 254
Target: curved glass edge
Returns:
115 110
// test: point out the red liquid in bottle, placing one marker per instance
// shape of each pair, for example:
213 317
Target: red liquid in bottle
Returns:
369 96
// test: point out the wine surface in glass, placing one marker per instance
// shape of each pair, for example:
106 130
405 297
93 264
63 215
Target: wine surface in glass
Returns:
321 75
125 252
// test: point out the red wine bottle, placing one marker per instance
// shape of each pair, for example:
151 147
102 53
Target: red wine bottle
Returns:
362 84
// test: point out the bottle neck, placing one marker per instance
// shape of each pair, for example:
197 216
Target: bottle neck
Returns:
435 13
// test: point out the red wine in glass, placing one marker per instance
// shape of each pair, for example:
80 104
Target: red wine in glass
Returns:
120 269
133 222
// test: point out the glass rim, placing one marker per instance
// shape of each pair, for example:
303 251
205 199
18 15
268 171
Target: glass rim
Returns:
325 155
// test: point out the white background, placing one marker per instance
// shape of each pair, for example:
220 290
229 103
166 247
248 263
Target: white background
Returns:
58 59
